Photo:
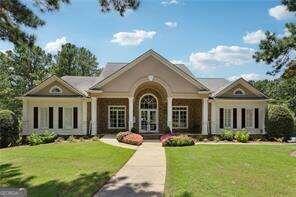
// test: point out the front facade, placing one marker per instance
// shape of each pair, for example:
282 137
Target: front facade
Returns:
150 94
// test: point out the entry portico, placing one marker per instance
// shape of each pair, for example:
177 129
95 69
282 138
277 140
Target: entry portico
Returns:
149 94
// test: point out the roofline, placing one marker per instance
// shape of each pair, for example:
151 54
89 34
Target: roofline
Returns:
223 90
54 78
117 73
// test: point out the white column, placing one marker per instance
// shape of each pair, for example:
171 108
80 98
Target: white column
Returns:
94 101
170 113
204 116
239 118
213 117
130 113
84 117
262 119
25 116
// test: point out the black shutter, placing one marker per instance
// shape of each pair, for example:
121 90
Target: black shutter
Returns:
221 118
234 118
35 112
256 118
75 117
60 117
243 118
50 117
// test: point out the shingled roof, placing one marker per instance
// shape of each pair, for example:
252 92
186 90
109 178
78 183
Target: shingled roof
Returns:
84 83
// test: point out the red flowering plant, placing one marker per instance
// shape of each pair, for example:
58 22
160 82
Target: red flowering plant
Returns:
130 138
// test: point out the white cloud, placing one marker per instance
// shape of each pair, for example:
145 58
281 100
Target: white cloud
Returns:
280 12
285 34
169 2
171 24
132 38
254 37
55 46
221 56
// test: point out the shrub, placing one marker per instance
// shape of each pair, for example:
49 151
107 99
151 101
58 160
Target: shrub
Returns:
41 138
129 138
9 128
242 136
279 121
134 130
181 140
132 138
227 135
168 130
165 137
121 135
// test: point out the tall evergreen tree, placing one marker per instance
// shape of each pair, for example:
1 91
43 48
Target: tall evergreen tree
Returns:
15 15
21 69
280 51
72 60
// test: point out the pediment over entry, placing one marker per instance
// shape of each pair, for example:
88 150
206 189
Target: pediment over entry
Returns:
152 66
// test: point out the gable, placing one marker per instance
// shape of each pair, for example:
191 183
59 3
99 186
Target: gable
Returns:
53 82
243 86
45 91
147 67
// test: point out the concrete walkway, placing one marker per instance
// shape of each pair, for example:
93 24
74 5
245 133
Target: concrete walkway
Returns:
111 139
142 175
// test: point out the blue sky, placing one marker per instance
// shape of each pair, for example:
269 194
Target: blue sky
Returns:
213 38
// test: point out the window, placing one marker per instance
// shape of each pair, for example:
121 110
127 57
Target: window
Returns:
35 118
256 118
249 118
243 118
234 118
148 102
55 90
60 117
116 116
221 115
180 117
75 117
227 118
239 92
50 117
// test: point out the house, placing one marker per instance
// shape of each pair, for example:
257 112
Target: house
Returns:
149 93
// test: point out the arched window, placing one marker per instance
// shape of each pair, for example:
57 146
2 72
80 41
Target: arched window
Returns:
55 90
148 102
239 92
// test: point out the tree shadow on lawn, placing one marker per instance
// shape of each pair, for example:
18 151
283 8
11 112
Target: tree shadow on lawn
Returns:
84 185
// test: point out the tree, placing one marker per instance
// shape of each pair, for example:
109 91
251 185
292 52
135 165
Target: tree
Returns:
21 69
279 51
15 14
72 60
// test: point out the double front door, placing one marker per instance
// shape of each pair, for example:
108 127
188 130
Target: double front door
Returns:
148 120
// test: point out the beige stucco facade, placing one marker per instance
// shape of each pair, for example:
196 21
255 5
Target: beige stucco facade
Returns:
149 94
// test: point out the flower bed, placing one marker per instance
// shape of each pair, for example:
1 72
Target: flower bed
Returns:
180 140
130 138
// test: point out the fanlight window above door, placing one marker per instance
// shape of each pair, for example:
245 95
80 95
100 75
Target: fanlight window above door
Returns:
148 102
55 90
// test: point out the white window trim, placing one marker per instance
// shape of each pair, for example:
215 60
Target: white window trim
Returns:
55 87
109 106
187 116
239 89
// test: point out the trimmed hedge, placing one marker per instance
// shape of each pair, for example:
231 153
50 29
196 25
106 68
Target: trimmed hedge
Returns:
227 135
9 128
42 138
130 138
181 140
279 121
242 136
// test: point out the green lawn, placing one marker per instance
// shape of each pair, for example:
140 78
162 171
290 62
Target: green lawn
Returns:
65 169
231 170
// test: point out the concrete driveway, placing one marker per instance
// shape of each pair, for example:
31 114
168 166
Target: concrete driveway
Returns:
142 175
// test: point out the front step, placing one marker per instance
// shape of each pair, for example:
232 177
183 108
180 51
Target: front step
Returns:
151 136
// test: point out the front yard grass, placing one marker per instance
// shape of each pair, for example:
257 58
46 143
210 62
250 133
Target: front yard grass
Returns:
65 169
231 170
